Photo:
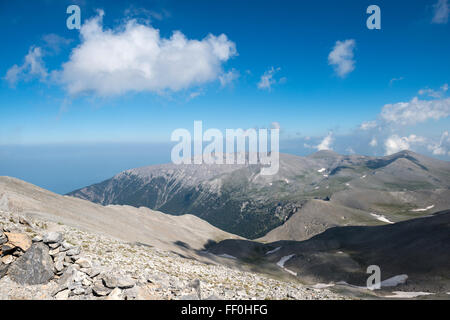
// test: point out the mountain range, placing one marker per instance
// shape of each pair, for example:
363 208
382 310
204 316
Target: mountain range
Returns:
307 196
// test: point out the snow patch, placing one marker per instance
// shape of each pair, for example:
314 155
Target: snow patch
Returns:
404 294
321 170
394 281
322 285
224 255
272 251
283 260
380 217
424 209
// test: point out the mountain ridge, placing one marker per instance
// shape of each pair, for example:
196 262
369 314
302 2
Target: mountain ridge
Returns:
237 199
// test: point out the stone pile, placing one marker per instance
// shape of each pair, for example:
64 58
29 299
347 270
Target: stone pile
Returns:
51 258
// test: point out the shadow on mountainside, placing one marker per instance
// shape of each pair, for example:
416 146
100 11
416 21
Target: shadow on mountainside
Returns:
419 248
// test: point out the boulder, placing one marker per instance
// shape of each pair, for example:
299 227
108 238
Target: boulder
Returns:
7 259
34 267
84 263
99 289
73 251
118 281
52 237
37 239
116 294
18 240
62 295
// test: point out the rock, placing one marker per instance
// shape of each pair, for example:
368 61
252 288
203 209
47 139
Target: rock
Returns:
7 259
19 240
53 252
99 289
23 221
7 249
67 278
78 276
34 267
3 270
84 263
195 284
59 266
53 245
37 239
117 281
52 237
86 282
65 246
3 238
93 272
116 294
78 290
62 295
17 253
73 252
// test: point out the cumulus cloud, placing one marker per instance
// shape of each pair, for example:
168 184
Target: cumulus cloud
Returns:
267 79
396 143
33 67
326 143
415 111
341 57
135 58
441 11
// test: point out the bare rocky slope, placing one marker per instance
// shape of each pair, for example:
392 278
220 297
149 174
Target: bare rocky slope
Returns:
59 247
359 190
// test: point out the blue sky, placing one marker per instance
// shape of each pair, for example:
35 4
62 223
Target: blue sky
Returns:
70 90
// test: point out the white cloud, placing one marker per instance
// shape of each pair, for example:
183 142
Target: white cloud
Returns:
396 143
441 147
33 66
391 82
441 11
434 93
267 79
341 57
415 111
373 142
368 125
325 144
228 77
136 58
